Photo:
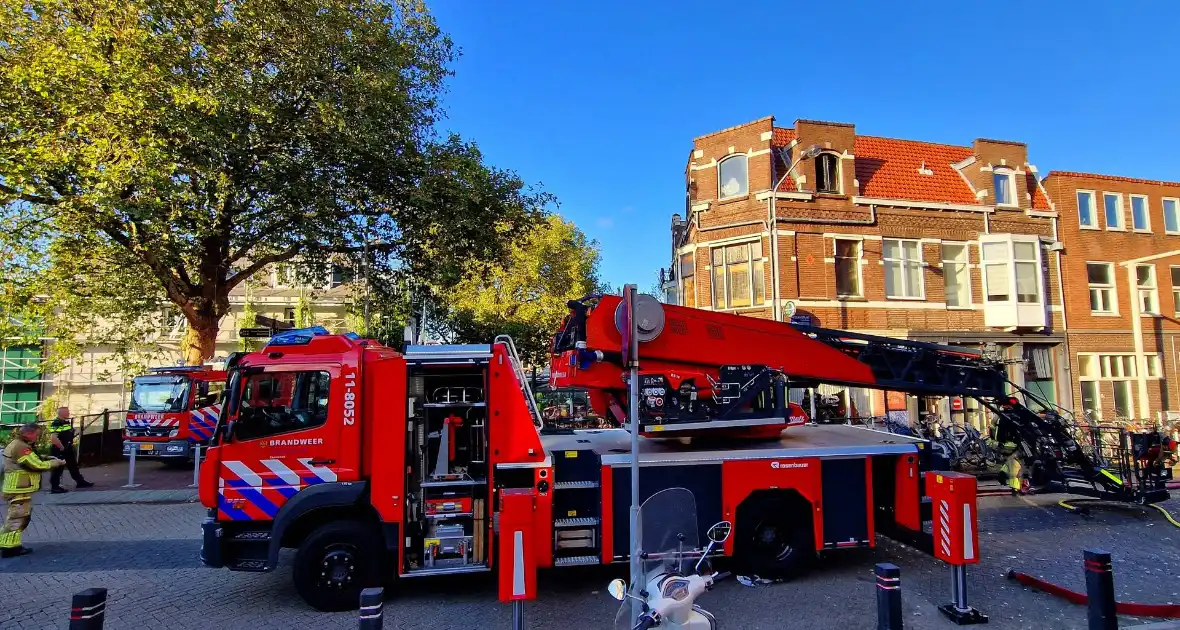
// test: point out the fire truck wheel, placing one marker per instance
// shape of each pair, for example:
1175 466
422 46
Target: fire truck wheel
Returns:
774 538
336 562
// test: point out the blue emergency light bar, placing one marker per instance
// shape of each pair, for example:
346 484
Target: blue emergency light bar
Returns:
177 368
296 337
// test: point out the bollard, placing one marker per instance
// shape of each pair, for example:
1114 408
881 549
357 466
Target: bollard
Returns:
888 596
131 468
196 467
371 616
88 609
1100 590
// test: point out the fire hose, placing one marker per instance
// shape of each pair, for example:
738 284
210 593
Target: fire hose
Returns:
1163 611
1070 505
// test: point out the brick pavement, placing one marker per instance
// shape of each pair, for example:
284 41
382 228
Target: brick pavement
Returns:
147 555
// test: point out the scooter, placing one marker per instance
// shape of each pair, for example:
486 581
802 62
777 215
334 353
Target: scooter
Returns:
670 581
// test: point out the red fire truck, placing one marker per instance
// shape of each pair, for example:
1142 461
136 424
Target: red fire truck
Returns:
171 410
376 465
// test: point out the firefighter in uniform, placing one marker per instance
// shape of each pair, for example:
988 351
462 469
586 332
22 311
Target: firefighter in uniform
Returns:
61 435
22 478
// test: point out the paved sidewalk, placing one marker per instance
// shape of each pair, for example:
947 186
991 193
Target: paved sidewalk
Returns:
117 497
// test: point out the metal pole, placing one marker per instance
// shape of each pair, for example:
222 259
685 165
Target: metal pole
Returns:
1100 590
518 614
633 389
196 466
131 469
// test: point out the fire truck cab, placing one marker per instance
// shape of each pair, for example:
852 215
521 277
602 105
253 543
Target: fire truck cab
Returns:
377 465
171 410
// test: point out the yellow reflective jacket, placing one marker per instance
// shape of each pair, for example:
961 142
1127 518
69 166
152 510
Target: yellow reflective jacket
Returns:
22 468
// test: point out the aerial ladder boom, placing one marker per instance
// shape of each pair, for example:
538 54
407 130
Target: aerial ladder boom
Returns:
727 375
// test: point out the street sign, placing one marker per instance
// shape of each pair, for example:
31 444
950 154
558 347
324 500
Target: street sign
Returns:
956 403
803 319
256 333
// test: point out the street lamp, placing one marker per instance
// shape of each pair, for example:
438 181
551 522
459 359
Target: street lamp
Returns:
806 154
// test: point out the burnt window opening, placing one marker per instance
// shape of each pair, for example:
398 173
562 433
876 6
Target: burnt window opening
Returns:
827 173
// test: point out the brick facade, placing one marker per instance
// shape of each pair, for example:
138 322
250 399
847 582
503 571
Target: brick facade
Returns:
851 231
1136 244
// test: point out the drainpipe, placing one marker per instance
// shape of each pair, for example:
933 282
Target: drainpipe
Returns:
1137 331
1064 323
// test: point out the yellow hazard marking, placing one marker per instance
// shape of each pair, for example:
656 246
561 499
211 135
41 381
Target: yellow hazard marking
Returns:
572 513
658 427
571 454
1111 476
432 542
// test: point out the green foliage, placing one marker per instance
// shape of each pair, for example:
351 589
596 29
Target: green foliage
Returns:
304 317
167 150
526 295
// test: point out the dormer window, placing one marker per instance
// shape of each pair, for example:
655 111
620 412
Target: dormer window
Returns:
732 180
1004 182
827 173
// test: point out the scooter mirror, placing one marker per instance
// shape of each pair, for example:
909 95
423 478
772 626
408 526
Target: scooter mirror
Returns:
617 589
720 532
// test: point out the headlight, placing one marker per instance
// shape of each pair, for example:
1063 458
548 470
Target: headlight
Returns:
174 432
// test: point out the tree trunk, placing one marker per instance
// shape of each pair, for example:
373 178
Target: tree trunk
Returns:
201 339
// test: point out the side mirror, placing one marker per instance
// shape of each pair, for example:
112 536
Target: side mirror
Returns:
617 589
720 532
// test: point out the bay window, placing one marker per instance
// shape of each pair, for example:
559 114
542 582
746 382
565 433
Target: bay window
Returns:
1013 281
688 291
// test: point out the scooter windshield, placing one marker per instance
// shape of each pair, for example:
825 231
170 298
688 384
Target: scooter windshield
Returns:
669 543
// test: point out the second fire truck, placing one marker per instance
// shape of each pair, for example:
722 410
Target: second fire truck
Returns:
172 409
376 465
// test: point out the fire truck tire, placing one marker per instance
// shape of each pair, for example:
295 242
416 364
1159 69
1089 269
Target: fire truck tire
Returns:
774 537
336 562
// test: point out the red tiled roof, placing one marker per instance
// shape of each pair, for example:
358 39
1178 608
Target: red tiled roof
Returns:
888 168
782 137
1113 178
1039 201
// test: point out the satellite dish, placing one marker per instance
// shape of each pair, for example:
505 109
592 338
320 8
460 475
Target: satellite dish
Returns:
649 317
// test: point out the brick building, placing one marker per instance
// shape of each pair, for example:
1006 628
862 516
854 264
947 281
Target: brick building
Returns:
1122 296
944 243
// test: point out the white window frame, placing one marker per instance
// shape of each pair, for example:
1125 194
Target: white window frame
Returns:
1151 290
1014 201
1146 214
902 262
860 256
1175 288
1112 287
966 262
1039 262
733 156
723 245
1175 210
1093 209
1122 213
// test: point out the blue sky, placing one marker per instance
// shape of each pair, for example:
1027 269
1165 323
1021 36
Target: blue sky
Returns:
599 101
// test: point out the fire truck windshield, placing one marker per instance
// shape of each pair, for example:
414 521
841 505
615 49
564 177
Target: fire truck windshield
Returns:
159 393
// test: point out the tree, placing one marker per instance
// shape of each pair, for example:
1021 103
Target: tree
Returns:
525 296
167 150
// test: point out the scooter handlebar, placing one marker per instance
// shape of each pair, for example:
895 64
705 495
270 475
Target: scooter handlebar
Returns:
645 622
